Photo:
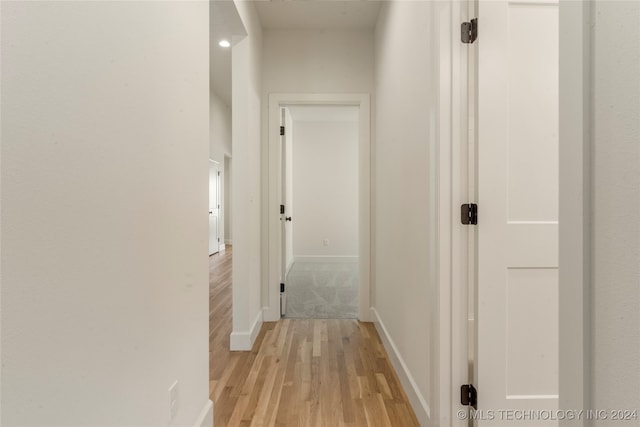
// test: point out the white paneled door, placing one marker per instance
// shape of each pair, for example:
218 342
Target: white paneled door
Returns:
214 208
516 375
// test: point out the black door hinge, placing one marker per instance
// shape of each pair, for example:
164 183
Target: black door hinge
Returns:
281 287
281 209
281 130
469 396
469 31
469 214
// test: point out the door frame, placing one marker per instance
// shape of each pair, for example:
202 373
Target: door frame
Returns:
456 185
284 201
574 251
361 100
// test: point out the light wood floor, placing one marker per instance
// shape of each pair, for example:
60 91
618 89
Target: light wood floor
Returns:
301 372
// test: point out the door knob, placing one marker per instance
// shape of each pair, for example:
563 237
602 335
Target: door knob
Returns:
288 218
210 212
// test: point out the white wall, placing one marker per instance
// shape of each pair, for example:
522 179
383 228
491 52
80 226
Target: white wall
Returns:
600 193
615 308
246 200
310 61
220 136
406 289
317 61
325 189
104 224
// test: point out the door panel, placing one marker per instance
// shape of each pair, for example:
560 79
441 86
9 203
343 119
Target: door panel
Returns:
517 240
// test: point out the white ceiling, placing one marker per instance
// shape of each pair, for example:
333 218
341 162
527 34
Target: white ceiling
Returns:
280 14
324 113
317 14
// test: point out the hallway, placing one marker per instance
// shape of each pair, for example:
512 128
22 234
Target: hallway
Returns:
107 112
300 372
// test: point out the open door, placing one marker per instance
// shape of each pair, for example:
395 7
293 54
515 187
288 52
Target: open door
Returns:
214 208
516 372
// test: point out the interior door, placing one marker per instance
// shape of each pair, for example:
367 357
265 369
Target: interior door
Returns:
517 231
214 208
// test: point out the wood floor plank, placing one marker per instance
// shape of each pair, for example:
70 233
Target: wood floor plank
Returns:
301 372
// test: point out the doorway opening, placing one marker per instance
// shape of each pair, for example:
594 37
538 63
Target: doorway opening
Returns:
320 225
324 249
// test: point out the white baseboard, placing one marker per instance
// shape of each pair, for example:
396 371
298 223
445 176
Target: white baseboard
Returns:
417 400
228 242
271 314
222 247
243 341
307 258
205 419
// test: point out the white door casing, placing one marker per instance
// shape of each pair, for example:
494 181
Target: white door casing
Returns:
276 100
517 232
284 203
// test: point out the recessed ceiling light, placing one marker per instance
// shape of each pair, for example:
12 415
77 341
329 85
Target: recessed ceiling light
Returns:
224 43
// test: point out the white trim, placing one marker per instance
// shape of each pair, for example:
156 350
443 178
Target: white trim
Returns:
417 400
452 238
272 287
272 313
222 247
309 258
575 206
444 228
205 419
243 341
228 242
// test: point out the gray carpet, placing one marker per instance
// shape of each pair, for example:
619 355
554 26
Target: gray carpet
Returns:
322 290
